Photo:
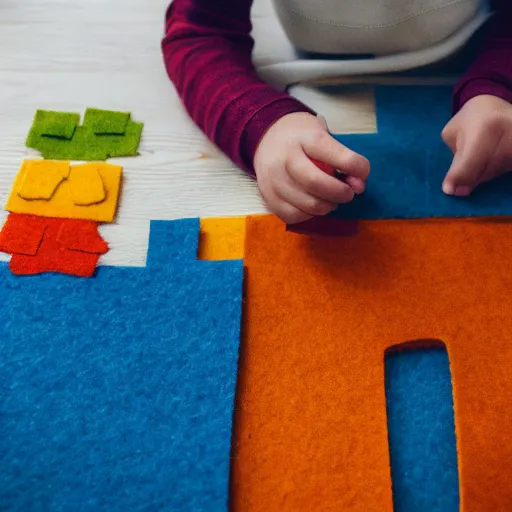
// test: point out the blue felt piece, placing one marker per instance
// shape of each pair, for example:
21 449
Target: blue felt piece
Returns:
117 392
409 161
421 431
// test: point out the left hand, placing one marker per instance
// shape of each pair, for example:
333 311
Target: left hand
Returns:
480 136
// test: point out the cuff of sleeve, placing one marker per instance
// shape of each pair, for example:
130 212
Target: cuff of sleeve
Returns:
258 125
468 89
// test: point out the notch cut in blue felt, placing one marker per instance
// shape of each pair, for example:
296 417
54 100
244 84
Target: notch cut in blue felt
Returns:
117 392
409 161
421 430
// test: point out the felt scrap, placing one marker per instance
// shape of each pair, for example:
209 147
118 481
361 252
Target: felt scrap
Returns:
60 125
51 257
311 411
409 162
67 246
81 235
85 144
110 400
106 122
86 185
324 226
22 234
221 238
41 178
61 204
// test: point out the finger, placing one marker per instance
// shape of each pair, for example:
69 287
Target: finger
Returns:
327 149
356 184
289 213
317 183
449 134
292 194
472 157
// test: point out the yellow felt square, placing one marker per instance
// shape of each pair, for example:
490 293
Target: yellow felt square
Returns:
41 178
86 186
61 203
222 238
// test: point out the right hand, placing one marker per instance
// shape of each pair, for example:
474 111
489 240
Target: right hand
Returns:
293 187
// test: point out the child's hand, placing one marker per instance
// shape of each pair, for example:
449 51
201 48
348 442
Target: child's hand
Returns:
294 188
480 136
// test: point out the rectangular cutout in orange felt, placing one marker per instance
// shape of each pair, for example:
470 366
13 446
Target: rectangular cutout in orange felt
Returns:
311 412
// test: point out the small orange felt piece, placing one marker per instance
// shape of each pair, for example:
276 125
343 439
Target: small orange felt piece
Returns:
221 238
55 254
311 430
86 186
41 178
22 234
61 204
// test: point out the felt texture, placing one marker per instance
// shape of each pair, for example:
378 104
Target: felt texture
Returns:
421 430
409 161
311 410
106 122
221 238
56 124
41 178
62 204
22 234
67 246
324 226
85 143
86 186
81 235
110 400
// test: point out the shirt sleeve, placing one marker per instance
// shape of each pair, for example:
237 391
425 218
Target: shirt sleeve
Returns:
207 51
491 72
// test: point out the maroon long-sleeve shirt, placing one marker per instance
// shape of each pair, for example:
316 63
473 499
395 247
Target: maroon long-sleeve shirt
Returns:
208 56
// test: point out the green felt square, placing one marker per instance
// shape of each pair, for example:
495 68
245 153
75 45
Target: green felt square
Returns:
127 145
106 122
55 124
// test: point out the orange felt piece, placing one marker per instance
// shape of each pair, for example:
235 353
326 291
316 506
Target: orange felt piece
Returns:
86 186
55 253
22 234
41 178
221 238
311 431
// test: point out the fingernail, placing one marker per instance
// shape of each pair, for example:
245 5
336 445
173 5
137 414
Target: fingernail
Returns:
462 190
448 189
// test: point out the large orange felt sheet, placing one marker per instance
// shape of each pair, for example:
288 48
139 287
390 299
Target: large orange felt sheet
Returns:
310 426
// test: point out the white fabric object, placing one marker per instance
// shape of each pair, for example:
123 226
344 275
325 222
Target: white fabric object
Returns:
402 34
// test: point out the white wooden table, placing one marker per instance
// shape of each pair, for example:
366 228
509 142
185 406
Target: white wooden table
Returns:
71 54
